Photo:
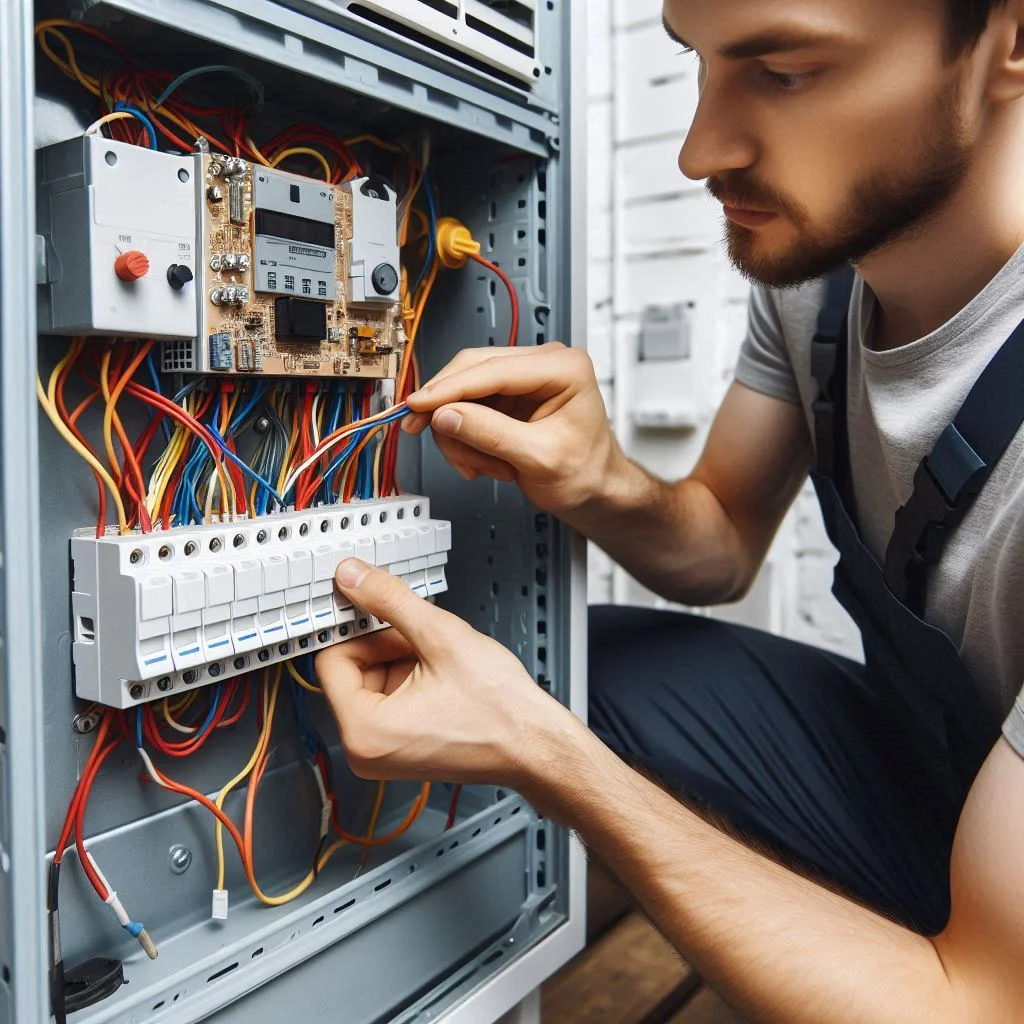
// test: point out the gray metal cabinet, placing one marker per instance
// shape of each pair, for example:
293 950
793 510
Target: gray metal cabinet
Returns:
457 926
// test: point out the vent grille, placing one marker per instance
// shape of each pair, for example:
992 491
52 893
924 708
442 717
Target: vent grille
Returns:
498 37
180 357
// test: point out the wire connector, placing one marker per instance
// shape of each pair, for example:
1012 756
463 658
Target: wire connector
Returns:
455 243
219 911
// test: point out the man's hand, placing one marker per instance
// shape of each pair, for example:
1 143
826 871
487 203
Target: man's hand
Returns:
431 699
532 416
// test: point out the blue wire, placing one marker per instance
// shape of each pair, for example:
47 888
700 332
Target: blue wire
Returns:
146 123
206 69
432 245
155 377
243 466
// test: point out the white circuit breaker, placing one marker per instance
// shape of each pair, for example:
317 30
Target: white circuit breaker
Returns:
157 614
118 224
374 275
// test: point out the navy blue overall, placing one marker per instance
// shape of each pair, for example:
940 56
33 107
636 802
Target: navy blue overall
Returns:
853 774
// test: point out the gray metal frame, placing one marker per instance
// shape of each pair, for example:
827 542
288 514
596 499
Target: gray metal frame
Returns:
515 574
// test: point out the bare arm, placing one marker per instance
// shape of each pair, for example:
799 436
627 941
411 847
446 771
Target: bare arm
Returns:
436 700
537 417
784 949
702 540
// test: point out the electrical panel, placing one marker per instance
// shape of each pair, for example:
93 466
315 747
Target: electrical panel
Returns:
238 278
163 613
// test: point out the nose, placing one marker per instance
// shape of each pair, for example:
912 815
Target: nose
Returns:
718 141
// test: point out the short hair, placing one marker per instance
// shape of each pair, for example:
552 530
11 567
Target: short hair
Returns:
966 21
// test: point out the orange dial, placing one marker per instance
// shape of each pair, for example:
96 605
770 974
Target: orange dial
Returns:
131 265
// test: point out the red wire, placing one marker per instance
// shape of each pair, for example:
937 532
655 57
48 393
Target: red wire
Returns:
453 808
246 693
513 334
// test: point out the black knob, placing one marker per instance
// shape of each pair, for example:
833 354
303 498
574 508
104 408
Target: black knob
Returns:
178 275
385 279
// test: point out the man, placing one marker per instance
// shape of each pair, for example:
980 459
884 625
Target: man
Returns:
802 852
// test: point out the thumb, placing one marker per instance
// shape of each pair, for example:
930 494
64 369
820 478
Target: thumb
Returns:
486 430
390 599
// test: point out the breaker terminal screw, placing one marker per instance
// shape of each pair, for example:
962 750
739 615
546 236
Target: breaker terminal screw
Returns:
191 548
239 540
214 670
283 650
137 691
323 636
190 677
304 644
135 557
164 684
261 537
239 664
264 655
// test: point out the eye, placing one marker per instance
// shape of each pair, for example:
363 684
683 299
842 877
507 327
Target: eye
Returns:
782 81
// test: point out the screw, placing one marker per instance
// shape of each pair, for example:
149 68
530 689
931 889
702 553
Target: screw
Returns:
239 664
135 557
283 650
137 691
85 724
261 537
323 636
264 656
179 859
417 511
214 671
191 548
304 529
164 684
325 526
190 677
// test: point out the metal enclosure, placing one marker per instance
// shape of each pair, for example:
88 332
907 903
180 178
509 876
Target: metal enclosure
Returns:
457 926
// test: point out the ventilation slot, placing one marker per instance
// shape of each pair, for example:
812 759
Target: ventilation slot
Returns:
496 37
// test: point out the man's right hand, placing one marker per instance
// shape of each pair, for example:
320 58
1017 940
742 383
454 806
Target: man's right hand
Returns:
531 416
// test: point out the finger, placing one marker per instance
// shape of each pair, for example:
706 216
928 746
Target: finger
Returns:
541 372
344 685
368 651
470 357
388 597
499 437
464 458
416 423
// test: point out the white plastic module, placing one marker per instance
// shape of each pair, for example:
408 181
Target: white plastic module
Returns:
159 613
118 223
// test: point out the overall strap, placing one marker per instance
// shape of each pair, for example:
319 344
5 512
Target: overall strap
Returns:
828 367
953 475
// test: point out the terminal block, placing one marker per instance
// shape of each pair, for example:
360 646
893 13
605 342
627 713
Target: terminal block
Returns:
159 614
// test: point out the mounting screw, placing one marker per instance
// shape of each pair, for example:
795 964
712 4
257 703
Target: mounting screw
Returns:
179 859
85 724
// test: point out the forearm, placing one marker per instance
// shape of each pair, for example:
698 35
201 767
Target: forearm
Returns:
676 539
780 947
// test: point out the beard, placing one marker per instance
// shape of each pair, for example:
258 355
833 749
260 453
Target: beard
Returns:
883 208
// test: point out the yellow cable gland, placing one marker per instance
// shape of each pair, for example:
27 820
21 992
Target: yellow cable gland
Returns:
455 244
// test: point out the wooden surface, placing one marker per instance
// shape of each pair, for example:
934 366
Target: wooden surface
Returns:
706 1008
631 975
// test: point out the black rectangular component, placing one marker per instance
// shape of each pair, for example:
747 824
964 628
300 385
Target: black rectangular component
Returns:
294 193
299 320
294 229
220 351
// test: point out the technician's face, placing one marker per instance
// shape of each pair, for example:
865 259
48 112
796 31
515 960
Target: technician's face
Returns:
826 128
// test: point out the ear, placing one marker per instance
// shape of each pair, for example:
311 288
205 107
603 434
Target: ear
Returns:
1004 40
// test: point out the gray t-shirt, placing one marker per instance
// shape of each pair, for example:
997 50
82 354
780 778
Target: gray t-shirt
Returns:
899 402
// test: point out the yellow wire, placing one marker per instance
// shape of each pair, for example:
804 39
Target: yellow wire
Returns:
70 66
389 146
106 119
378 806
301 680
270 703
304 151
48 402
252 146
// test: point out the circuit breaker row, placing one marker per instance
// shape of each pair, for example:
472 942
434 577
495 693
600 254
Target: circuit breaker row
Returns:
162 613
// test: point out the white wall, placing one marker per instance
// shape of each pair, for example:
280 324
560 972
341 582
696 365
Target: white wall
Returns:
655 239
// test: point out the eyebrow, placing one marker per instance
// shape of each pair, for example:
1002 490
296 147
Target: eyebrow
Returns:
761 44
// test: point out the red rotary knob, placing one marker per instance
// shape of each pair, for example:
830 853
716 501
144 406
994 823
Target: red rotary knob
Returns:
131 265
